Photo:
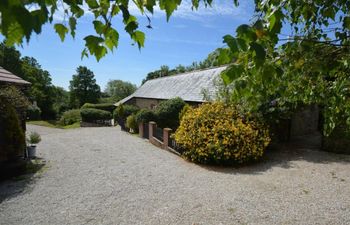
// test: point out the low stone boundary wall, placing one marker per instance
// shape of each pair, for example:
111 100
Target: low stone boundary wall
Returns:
152 127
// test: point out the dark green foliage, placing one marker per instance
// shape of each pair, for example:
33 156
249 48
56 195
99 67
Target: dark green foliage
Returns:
307 65
20 19
83 88
14 97
33 112
92 115
12 139
69 117
145 115
41 90
338 141
60 100
123 111
103 106
48 98
168 112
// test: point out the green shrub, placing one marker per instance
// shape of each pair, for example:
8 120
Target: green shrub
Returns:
183 111
145 115
131 123
216 134
33 138
12 139
92 115
69 117
103 106
13 96
33 112
123 111
338 141
168 112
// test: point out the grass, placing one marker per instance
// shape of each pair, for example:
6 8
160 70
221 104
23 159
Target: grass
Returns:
53 124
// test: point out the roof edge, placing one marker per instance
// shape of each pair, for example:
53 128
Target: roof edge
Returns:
193 71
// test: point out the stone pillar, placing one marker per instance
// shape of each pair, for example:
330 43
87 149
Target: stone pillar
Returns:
166 137
151 130
141 133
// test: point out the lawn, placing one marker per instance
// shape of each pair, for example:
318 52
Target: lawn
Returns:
53 124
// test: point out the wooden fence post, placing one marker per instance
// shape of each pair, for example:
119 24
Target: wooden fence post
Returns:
166 137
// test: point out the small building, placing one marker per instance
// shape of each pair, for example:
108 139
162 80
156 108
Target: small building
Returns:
193 87
7 78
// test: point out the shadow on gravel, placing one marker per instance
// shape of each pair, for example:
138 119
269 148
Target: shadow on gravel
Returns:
283 157
16 176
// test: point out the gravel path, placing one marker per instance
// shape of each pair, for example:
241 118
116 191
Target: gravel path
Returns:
105 176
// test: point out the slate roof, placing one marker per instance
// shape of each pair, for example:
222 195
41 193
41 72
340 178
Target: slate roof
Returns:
8 77
188 86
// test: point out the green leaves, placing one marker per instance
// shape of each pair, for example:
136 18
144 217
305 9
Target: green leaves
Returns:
61 30
232 73
95 47
139 38
72 25
225 56
346 22
246 33
259 53
112 38
231 42
99 26
169 6
92 4
235 44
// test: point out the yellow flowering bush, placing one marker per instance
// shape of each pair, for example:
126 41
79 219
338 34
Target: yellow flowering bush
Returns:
216 134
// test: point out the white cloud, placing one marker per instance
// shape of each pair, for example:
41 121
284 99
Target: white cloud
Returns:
184 11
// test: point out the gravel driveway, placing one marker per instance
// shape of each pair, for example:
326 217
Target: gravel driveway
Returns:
105 176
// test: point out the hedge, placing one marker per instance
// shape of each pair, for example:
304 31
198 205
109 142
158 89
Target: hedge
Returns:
103 106
92 115
123 111
168 112
69 117
145 115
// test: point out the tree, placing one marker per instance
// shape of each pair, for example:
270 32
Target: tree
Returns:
83 88
119 89
28 68
19 19
275 72
61 100
264 59
41 89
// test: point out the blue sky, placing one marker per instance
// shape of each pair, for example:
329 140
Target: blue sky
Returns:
188 36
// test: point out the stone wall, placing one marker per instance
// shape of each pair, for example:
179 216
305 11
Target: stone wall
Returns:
305 121
146 103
